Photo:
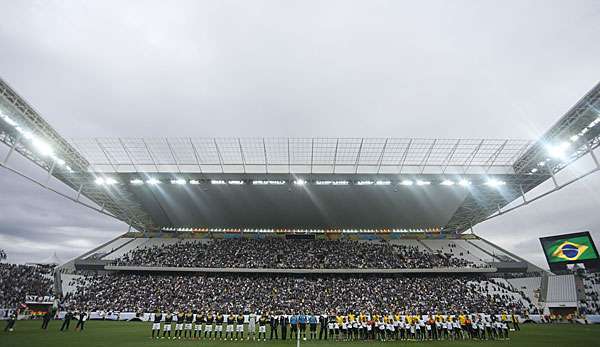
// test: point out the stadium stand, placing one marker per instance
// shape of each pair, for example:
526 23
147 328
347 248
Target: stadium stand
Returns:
125 248
591 304
109 248
459 249
502 291
146 292
492 250
68 282
529 286
285 253
17 281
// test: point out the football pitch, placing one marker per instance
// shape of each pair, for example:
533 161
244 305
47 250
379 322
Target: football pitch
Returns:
103 333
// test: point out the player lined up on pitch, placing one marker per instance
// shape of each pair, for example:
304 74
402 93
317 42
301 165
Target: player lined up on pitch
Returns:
333 326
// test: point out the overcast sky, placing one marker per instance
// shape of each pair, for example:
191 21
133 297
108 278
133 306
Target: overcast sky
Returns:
451 69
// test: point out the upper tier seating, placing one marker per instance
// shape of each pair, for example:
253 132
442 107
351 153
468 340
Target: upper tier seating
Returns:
459 248
494 251
284 253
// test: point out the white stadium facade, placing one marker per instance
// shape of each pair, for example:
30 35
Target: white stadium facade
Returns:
411 192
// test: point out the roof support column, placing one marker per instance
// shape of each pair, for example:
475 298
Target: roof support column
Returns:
12 149
553 177
79 193
522 193
50 172
589 148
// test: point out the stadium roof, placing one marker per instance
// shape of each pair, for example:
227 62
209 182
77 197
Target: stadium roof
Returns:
302 155
251 182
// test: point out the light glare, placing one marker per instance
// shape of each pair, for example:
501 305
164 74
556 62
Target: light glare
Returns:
42 147
558 151
494 183
464 183
153 181
270 182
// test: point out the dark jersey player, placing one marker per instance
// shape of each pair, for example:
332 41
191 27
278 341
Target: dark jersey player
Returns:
156 318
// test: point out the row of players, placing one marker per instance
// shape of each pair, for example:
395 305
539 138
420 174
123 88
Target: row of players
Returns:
334 326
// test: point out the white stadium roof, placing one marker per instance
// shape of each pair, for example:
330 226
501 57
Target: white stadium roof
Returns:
302 155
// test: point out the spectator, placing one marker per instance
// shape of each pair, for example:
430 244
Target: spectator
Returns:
289 254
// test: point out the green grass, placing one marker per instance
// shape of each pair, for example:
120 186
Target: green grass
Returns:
111 334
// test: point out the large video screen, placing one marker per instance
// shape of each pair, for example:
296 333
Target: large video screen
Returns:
569 248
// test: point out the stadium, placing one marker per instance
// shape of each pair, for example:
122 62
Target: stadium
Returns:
302 240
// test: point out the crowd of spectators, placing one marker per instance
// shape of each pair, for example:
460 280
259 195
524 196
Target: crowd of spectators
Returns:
17 281
238 293
289 254
591 286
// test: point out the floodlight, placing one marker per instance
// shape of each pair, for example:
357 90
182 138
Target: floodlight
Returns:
423 183
136 181
406 183
340 183
270 182
464 183
110 181
558 151
447 183
383 183
8 120
534 170
42 147
99 181
364 183
542 163
492 182
153 181
594 123
235 182
217 182
194 182
179 181
574 138
299 182
322 183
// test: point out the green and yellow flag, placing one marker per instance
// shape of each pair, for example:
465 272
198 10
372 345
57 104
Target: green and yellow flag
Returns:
570 249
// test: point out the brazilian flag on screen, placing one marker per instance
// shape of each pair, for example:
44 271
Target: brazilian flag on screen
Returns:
570 249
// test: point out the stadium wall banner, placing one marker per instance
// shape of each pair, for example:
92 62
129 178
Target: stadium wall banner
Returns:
35 299
569 249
